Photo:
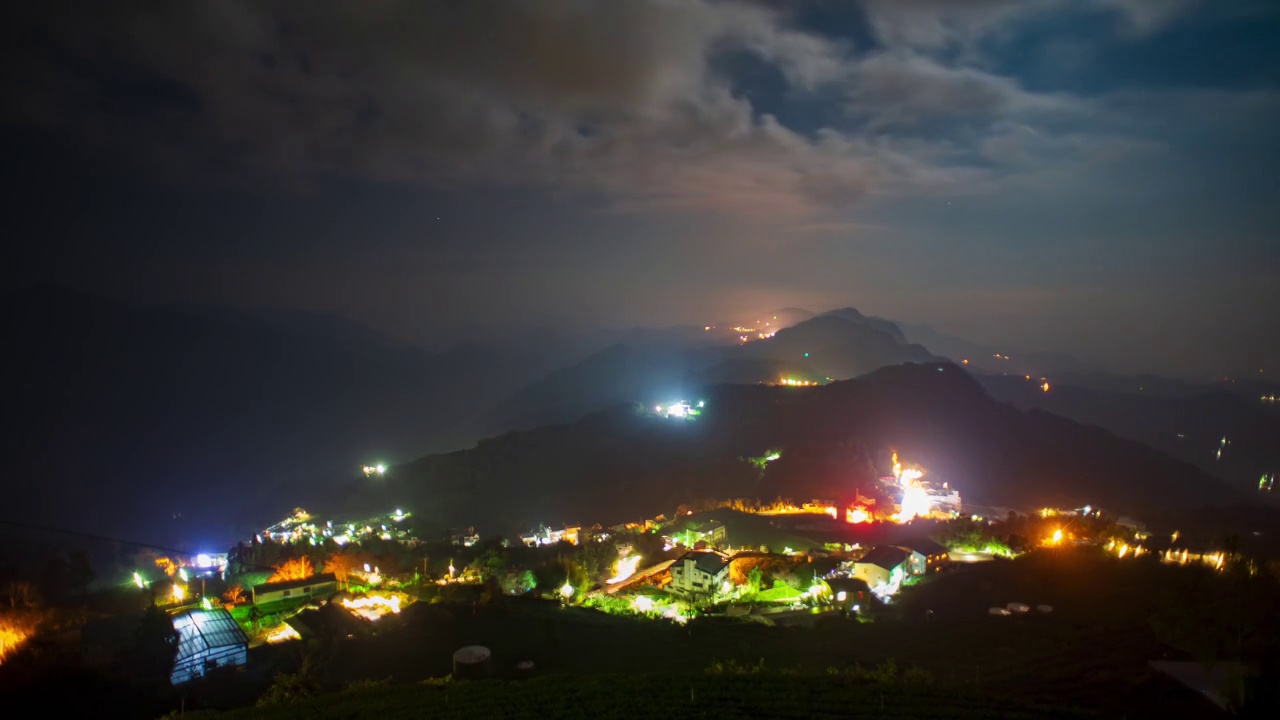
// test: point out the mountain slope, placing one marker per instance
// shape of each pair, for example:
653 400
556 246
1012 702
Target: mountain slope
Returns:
1186 421
625 464
840 344
169 423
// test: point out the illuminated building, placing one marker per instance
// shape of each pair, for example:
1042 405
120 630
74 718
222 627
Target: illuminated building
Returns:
317 586
548 536
207 639
888 565
935 556
699 572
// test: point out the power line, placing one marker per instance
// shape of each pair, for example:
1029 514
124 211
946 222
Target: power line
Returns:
107 538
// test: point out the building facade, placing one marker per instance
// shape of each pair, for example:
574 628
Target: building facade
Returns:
700 572
312 587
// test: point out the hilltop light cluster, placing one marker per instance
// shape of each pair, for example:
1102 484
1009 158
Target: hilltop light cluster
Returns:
299 528
680 409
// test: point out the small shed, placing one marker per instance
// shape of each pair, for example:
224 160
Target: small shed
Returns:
207 639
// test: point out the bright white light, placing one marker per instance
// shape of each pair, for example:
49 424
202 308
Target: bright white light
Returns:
382 469
203 560
366 567
702 403
842 596
642 603
182 573
625 568
178 593
137 580
398 513
726 587
372 607
566 592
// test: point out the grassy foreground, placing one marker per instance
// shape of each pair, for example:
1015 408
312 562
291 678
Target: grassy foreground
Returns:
688 696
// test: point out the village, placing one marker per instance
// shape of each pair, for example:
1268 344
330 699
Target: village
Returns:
765 564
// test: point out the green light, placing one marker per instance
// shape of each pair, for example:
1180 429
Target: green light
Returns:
806 354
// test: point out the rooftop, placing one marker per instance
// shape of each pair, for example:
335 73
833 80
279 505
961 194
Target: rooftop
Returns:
706 561
200 630
291 584
924 546
885 556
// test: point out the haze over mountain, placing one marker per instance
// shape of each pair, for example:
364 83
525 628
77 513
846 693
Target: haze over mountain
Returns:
181 423
188 422
839 344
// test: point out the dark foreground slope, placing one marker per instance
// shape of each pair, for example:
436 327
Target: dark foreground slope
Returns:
625 463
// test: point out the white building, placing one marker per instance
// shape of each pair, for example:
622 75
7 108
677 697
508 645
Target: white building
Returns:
700 572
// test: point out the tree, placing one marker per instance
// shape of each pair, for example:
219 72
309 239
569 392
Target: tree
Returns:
155 646
298 568
341 564
754 579
234 595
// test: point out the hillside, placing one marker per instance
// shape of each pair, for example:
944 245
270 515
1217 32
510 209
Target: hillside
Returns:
184 423
1186 421
626 464
841 344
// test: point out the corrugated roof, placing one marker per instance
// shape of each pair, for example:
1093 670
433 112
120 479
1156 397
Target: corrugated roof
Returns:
708 562
886 556
924 546
201 630
291 584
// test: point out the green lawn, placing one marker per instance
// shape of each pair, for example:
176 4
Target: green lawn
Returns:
778 593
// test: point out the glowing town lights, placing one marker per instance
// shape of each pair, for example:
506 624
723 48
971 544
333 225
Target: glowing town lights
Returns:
657 409
1124 550
915 503
182 573
1174 537
625 568
1057 536
178 593
856 515
366 567
566 591
372 607
1045 387
642 604
772 456
205 604
964 362
137 580
842 596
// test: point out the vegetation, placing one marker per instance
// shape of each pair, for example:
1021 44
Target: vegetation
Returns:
712 695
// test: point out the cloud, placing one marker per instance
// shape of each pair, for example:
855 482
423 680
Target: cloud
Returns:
617 100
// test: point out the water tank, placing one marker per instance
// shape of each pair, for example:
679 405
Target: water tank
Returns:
471 662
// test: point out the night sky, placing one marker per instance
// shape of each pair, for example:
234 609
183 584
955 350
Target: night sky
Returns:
1097 177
